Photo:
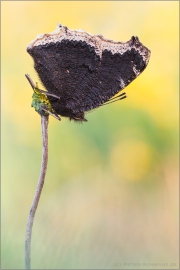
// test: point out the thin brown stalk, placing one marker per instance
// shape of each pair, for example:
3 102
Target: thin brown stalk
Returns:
44 125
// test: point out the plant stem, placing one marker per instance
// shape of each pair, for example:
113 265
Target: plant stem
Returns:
44 126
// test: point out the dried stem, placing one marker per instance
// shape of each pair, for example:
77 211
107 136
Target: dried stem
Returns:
44 125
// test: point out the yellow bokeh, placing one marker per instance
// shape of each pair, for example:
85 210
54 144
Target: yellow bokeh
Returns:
131 160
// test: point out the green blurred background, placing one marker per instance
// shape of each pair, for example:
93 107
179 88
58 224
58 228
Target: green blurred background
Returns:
110 198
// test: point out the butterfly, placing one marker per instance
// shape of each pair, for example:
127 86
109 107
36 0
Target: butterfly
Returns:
82 72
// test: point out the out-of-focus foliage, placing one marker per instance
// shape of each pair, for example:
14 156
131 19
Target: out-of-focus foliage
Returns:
110 198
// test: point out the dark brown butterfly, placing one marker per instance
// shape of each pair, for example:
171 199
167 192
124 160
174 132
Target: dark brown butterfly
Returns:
82 72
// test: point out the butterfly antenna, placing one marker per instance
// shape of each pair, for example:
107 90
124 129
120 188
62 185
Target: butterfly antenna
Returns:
114 99
120 95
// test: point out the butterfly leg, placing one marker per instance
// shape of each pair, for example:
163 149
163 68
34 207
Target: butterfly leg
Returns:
53 114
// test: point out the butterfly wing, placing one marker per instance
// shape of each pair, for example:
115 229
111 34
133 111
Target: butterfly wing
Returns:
83 70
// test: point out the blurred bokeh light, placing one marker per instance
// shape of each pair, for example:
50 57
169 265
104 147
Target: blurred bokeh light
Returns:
110 198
